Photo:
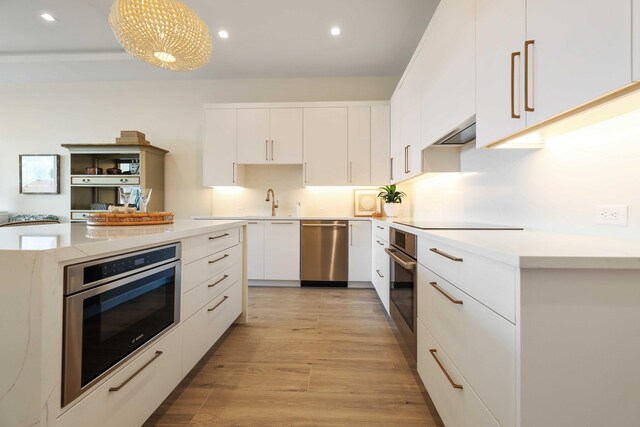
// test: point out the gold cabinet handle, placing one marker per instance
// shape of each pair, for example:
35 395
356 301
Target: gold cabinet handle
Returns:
446 294
526 75
158 354
219 237
233 173
446 374
266 150
218 281
281 223
219 259
514 55
218 304
252 222
272 145
446 255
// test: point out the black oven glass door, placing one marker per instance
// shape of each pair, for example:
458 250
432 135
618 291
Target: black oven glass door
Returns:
402 292
105 325
117 322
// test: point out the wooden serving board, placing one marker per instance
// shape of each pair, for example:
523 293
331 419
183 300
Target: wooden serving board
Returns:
138 218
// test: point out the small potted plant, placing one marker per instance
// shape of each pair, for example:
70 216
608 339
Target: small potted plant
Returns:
392 198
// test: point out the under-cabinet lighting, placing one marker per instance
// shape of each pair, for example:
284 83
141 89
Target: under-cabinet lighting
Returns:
223 34
335 31
48 17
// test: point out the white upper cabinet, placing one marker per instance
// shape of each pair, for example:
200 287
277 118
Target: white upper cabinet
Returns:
500 26
359 146
449 90
325 146
380 155
220 156
539 59
580 50
286 135
270 135
253 136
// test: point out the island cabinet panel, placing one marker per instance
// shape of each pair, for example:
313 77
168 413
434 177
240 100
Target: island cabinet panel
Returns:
205 292
209 267
203 329
128 404
198 247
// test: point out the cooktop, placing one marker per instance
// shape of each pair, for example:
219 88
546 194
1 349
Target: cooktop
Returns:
447 225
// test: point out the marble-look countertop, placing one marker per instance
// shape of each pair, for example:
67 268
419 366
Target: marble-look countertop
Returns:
537 249
75 240
284 218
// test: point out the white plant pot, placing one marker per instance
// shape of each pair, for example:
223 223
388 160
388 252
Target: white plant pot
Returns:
391 209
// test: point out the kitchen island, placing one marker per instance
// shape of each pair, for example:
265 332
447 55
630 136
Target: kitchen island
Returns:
34 262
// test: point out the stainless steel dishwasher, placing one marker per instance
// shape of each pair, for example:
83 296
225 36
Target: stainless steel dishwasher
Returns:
324 253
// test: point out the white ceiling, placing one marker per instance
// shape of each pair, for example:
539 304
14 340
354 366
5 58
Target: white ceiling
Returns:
268 39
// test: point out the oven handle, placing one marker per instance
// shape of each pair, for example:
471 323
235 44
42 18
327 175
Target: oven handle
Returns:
407 265
135 374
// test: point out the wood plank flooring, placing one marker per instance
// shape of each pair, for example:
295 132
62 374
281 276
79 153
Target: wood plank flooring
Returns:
307 357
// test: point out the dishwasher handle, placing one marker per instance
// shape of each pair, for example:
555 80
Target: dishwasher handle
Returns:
325 225
407 265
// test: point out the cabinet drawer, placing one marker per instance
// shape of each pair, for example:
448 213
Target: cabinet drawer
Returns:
160 372
478 341
381 231
490 282
105 180
206 268
202 294
75 216
204 328
380 272
198 247
457 406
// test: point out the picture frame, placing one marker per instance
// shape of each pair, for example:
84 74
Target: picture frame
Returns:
366 203
39 173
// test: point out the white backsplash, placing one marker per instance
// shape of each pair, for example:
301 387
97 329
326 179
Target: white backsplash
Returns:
554 188
286 181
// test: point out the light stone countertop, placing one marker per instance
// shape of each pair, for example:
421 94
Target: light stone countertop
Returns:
284 218
76 240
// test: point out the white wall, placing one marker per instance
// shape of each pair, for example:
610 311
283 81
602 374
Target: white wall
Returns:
555 188
37 118
286 181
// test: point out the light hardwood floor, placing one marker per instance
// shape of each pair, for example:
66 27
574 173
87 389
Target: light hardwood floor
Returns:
308 356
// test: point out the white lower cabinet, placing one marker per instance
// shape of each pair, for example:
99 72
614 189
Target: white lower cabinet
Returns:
359 251
273 250
479 342
457 403
380 269
130 396
204 328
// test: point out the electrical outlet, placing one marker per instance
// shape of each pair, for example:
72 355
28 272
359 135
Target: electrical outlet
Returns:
612 214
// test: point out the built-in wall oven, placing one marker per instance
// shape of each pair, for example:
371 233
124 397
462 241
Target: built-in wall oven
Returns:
404 285
113 307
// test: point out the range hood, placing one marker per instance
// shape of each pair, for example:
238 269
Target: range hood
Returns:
462 134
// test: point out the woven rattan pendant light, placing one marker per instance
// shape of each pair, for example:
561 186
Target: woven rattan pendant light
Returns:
165 33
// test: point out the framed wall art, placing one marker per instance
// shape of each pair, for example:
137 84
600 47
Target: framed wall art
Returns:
366 202
39 174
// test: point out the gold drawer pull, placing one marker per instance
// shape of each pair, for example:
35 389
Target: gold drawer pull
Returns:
446 255
218 304
443 292
158 354
219 237
213 284
446 374
219 259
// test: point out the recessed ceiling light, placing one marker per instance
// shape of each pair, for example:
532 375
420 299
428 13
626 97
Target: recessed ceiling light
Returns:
223 34
335 31
48 17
